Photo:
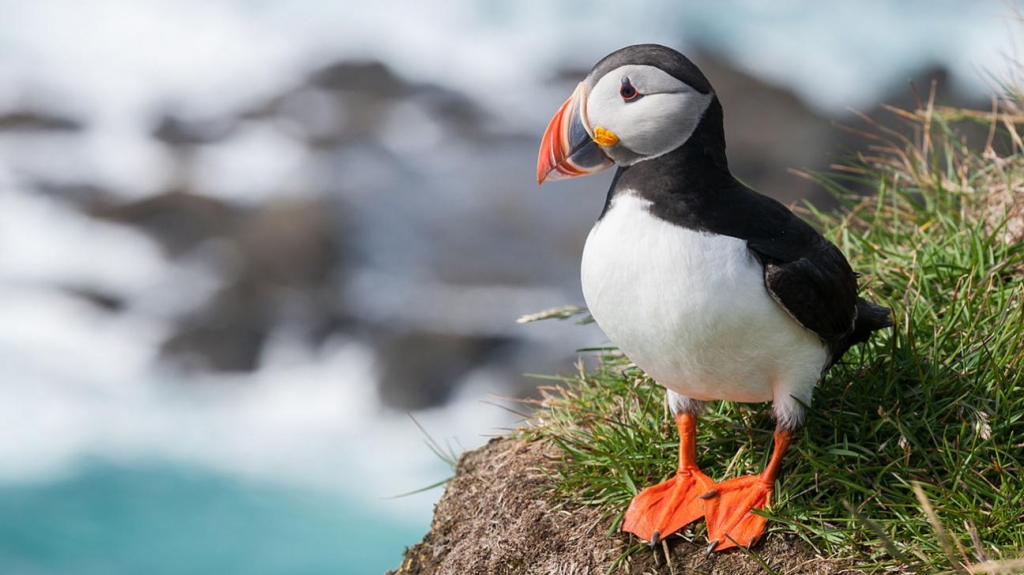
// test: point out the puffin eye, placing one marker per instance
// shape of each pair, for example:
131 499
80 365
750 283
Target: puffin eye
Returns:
627 91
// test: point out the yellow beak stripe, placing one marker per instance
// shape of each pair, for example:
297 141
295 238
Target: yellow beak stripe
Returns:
605 137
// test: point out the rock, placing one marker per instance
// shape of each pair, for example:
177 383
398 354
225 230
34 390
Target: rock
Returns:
178 219
352 103
279 261
368 76
497 516
101 299
421 369
227 335
285 257
290 243
27 120
85 197
175 130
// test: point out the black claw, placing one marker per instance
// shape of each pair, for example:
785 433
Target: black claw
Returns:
711 548
654 539
709 494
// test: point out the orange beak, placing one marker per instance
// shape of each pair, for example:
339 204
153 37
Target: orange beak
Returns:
568 149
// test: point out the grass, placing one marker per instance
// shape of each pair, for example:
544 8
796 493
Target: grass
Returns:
912 458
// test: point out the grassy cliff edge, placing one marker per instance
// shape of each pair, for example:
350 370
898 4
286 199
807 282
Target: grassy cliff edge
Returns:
912 459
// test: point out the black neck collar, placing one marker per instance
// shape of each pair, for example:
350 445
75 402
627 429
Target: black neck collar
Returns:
695 166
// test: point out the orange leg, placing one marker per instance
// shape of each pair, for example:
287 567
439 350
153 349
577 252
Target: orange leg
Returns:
669 506
730 522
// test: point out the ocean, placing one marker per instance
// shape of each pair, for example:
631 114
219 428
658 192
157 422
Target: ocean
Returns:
160 519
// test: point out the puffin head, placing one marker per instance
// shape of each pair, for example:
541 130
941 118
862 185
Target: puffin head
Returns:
636 104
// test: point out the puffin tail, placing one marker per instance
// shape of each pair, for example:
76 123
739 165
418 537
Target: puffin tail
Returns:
871 317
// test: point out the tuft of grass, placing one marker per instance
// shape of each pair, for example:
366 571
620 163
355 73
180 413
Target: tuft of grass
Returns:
912 457
447 453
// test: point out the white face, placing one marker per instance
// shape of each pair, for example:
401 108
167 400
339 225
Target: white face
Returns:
659 119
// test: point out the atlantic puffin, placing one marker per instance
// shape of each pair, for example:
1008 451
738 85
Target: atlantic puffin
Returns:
713 290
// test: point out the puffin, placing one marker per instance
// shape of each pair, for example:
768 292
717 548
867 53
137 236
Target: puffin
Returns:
713 290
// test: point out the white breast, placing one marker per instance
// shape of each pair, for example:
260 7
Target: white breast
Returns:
690 309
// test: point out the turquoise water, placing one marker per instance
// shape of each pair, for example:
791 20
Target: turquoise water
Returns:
153 520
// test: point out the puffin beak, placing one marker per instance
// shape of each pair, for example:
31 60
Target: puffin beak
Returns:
568 149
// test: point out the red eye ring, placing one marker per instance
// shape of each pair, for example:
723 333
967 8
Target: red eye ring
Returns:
628 91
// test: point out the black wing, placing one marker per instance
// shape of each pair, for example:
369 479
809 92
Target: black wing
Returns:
807 275
818 289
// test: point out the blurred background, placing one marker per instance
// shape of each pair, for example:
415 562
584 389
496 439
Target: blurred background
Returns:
242 241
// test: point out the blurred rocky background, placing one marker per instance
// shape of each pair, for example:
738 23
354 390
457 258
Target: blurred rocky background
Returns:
206 204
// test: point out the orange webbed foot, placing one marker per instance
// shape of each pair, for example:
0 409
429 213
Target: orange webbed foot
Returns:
728 512
667 507
730 521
